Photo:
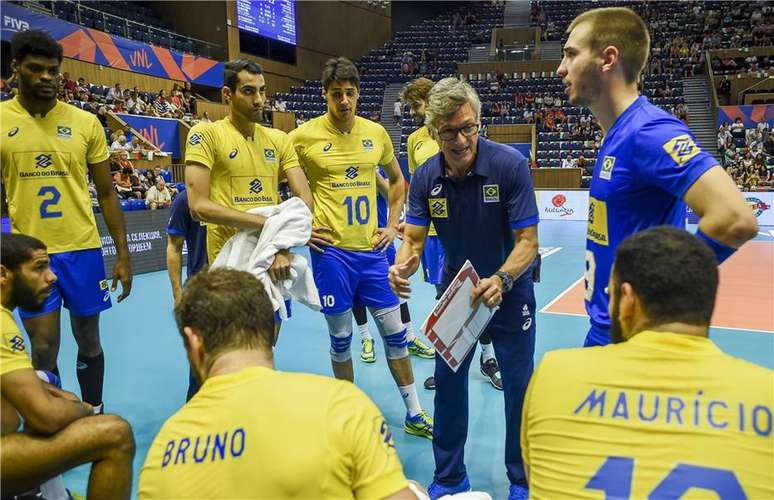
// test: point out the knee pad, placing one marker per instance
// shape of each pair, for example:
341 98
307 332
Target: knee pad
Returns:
392 331
340 331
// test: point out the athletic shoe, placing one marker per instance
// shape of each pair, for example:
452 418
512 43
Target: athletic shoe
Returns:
419 425
490 370
421 350
75 496
518 492
430 383
367 354
436 490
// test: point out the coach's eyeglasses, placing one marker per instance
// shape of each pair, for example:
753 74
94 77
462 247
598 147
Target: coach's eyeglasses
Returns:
450 134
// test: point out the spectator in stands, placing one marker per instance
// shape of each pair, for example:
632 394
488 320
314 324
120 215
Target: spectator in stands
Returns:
158 196
280 105
176 97
123 183
407 63
568 161
206 118
102 115
738 132
120 144
115 94
190 101
69 84
83 85
161 106
769 145
397 110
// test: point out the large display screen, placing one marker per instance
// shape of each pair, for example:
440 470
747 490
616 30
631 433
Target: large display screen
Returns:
275 19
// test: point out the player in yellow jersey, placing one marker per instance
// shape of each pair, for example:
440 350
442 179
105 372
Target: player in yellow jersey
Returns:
48 150
340 153
235 164
55 437
662 412
422 146
254 432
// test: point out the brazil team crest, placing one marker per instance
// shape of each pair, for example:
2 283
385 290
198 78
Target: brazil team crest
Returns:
368 144
64 132
269 155
491 193
607 168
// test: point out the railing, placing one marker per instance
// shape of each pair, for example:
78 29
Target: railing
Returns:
201 47
713 91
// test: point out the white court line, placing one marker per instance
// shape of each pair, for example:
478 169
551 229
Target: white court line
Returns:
560 296
740 329
550 252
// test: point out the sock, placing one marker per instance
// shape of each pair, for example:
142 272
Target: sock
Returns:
487 351
410 399
91 374
409 332
364 333
99 409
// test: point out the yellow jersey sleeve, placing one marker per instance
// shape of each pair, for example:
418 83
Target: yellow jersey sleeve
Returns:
200 147
97 149
361 436
287 153
13 350
388 152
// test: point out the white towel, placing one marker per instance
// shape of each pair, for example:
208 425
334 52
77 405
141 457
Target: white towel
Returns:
288 225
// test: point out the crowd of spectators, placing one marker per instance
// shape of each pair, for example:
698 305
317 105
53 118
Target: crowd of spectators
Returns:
748 154
152 185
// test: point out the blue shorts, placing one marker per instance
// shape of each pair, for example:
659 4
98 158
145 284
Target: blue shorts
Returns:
390 252
433 259
80 284
345 278
597 336
277 318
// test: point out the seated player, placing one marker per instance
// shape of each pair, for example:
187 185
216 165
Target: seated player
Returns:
252 431
60 432
661 411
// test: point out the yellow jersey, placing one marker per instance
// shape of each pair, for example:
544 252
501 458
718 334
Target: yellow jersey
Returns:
342 168
244 172
421 146
652 417
260 433
13 351
45 165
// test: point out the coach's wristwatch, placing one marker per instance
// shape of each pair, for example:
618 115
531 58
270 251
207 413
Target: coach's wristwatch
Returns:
507 280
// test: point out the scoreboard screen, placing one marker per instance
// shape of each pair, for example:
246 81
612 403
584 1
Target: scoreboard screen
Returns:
275 19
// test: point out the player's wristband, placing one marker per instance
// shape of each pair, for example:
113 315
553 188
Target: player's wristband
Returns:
722 251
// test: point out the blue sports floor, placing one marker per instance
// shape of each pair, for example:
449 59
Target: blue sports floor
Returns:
147 373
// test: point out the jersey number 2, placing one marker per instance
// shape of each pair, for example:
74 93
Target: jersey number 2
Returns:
359 210
615 479
48 204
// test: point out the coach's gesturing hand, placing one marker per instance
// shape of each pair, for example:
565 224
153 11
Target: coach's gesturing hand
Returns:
399 275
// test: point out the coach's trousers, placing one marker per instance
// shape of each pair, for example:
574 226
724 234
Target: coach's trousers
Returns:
513 334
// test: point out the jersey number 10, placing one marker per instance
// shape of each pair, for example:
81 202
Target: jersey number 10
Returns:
359 210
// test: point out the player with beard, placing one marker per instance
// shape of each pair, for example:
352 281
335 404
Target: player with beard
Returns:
55 436
649 166
661 411
49 150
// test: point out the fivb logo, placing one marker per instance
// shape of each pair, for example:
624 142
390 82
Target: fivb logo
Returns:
140 58
152 134
13 24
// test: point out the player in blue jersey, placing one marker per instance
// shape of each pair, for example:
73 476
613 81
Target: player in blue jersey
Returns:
649 166
415 346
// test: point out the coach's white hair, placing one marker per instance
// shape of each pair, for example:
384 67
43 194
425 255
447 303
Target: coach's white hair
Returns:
445 98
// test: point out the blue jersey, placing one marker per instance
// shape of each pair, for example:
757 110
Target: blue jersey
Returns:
195 233
647 162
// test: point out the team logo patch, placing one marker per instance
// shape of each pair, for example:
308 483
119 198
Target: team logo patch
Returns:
419 145
234 152
436 189
269 155
256 186
491 193
17 343
757 206
43 160
13 131
438 208
103 285
597 228
64 132
351 172
194 139
327 147
525 310
607 168
681 148
368 144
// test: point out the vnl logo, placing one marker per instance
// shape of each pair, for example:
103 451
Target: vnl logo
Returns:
140 59
152 134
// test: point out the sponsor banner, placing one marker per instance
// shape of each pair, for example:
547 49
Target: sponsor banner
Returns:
161 132
146 234
98 47
563 205
761 204
751 114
